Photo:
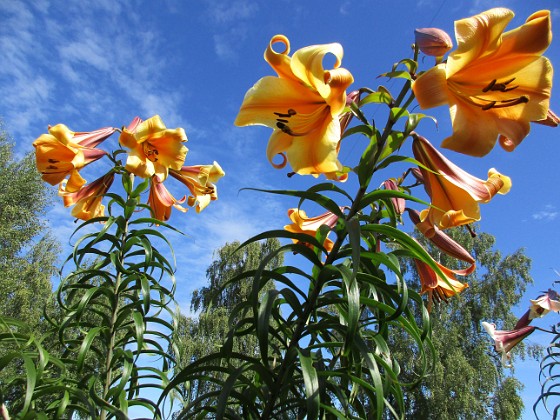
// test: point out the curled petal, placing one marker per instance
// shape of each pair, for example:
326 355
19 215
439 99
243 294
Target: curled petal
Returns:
303 106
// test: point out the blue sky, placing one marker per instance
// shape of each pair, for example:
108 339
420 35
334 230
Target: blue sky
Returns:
100 63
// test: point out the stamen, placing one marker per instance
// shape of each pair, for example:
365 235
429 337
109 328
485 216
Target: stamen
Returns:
291 112
501 87
150 151
508 102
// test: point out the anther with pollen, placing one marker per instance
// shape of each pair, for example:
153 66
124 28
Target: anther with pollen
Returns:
283 119
505 103
291 113
500 87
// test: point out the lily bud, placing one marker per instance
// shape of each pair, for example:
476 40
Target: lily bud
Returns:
433 41
352 97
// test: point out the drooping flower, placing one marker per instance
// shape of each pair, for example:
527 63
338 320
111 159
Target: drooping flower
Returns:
504 341
161 201
494 82
200 180
87 201
548 301
154 149
302 105
438 288
455 194
310 225
434 42
443 241
63 152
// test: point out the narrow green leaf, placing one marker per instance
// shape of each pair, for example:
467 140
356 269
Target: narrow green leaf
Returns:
311 382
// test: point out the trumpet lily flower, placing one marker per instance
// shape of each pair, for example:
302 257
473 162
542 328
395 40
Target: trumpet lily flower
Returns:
87 200
438 288
154 149
455 194
303 106
310 225
548 301
495 83
200 180
161 201
63 152
504 341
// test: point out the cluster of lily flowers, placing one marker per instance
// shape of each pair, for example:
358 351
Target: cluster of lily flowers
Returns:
495 83
155 152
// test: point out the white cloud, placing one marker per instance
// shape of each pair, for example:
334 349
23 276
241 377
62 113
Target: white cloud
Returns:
549 213
232 11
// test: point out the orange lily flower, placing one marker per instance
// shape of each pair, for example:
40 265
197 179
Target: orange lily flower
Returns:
310 225
64 152
455 194
161 201
495 83
303 105
504 341
437 288
154 149
200 181
87 200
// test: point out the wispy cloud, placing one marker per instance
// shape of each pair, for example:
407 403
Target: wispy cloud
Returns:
230 23
549 213
84 57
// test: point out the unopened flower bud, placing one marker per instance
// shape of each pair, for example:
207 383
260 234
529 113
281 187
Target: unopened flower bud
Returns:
433 41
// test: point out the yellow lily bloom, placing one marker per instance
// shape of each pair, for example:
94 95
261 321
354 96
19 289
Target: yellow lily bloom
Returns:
310 225
303 105
437 288
63 152
495 83
455 194
87 200
161 201
200 180
154 149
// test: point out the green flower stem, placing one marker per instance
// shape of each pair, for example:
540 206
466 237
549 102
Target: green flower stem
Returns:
116 304
331 257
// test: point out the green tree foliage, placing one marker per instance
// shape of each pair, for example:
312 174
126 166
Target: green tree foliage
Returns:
468 381
28 252
199 336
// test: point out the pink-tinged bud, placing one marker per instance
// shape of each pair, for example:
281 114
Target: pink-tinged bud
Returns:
417 173
352 97
433 41
398 202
